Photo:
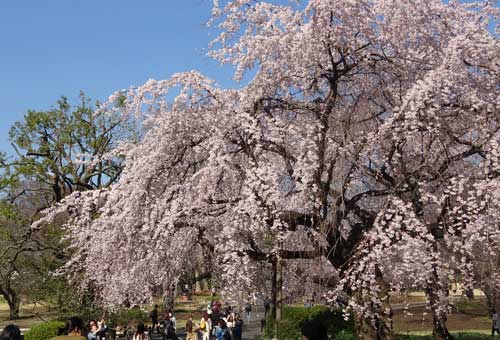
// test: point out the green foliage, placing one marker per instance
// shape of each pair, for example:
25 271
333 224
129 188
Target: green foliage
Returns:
57 152
294 317
344 335
50 145
128 317
45 331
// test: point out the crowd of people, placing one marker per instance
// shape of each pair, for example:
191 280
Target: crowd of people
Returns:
216 322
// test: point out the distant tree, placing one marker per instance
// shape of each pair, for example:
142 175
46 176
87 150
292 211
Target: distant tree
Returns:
57 152
63 148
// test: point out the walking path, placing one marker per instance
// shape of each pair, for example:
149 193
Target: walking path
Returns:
251 330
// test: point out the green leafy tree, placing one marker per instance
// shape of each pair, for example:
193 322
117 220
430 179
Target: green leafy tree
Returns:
63 149
56 152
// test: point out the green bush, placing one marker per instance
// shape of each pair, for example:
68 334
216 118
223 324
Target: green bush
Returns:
45 331
294 317
344 335
128 317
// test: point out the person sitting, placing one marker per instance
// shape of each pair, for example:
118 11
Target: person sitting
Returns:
11 332
74 327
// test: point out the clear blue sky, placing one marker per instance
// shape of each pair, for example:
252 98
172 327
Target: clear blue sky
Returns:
50 48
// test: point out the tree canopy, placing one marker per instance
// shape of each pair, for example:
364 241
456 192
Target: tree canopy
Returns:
368 136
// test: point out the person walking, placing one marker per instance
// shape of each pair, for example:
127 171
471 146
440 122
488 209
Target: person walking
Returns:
154 320
74 328
11 332
495 325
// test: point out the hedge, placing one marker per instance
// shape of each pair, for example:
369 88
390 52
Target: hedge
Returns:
45 330
295 316
127 317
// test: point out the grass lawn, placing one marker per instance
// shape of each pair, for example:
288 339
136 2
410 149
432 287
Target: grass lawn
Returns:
464 317
30 315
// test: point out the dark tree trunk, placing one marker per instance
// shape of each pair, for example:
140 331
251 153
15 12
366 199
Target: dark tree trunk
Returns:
169 299
380 327
439 312
14 303
277 294
273 293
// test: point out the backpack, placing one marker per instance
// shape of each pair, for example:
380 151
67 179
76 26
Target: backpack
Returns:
168 327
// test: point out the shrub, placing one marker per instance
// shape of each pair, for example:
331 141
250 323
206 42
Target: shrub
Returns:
45 331
294 317
128 317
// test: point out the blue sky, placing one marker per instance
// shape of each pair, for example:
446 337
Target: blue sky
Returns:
51 48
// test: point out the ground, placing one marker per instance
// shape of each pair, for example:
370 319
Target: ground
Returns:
465 316
417 319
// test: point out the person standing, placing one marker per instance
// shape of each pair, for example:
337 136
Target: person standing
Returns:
11 332
221 331
140 333
169 327
248 310
205 327
267 306
93 329
495 325
154 320
238 328
191 329
74 327
103 328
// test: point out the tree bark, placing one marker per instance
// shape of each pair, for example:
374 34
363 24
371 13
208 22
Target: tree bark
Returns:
14 303
279 295
439 314
439 310
379 327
